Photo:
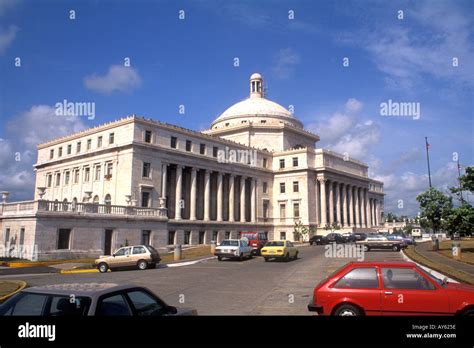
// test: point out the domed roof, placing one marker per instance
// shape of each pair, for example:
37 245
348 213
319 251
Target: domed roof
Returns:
257 106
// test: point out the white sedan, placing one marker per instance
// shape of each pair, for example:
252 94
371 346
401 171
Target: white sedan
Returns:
233 249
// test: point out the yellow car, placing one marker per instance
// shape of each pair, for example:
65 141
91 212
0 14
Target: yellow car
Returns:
279 249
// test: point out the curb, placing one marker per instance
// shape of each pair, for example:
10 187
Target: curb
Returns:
22 286
14 264
429 270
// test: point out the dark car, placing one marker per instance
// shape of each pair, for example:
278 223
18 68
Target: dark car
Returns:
360 236
335 238
318 240
349 237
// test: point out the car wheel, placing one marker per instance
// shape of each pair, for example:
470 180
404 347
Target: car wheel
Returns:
250 256
219 258
366 248
142 264
287 257
396 248
347 310
266 259
296 256
241 257
103 267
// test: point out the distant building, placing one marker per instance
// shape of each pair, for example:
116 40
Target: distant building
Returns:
137 180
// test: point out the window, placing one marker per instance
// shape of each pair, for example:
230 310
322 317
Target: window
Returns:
99 141
296 210
51 154
148 137
87 174
296 187
49 179
188 145
60 152
215 235
187 237
62 306
214 151
227 234
7 236
359 278
295 161
282 163
115 305
282 187
138 250
265 211
67 176
201 237
64 235
109 169
69 149
171 235
89 144
145 304
405 278
76 176
78 147
265 187
282 212
98 169
282 235
145 199
173 142
146 237
263 121
264 163
202 149
111 138
58 179
146 170
28 304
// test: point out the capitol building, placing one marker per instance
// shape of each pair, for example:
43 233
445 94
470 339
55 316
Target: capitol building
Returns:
137 180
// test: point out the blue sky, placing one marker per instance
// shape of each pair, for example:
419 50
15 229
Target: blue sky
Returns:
190 62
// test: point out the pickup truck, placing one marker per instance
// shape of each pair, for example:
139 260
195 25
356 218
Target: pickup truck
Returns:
233 249
381 242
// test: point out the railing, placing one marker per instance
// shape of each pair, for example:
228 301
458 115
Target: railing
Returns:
32 207
286 220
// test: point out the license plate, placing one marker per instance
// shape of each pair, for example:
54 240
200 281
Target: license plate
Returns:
272 252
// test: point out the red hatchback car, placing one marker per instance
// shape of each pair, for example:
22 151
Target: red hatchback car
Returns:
389 288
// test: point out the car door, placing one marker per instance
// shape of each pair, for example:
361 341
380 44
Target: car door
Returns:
406 291
122 257
115 304
291 249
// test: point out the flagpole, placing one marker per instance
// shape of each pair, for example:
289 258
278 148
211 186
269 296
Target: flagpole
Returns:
459 178
428 159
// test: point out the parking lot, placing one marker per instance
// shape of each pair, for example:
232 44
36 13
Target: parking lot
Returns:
249 287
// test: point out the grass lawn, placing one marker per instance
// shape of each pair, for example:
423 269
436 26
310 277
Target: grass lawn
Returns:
467 248
187 254
449 271
8 286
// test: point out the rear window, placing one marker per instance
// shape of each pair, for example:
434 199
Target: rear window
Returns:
151 249
230 243
273 244
359 278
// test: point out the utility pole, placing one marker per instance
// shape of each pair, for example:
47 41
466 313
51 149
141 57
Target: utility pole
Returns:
428 159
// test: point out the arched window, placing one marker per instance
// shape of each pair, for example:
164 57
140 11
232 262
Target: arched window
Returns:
64 205
96 199
108 199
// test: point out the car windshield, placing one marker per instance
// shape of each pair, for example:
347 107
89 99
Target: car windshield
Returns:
230 243
249 235
436 279
275 244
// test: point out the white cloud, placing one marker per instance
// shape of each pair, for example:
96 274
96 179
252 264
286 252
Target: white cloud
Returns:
18 149
6 37
118 78
285 61
353 105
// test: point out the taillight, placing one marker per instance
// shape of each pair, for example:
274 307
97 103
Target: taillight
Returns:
279 251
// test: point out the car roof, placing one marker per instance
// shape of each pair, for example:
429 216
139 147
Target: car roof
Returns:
384 263
78 289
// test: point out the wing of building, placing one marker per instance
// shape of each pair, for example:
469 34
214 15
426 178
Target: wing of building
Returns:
138 180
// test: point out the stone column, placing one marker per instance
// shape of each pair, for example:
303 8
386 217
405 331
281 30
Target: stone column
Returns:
231 198
316 201
242 199
192 205
322 182
164 175
357 206
219 196
351 205
207 194
344 204
331 202
362 207
377 212
367 208
179 180
253 189
338 204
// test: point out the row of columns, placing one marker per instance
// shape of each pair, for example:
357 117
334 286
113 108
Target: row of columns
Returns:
207 194
346 204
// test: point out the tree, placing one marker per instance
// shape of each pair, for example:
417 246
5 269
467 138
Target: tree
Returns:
332 227
460 220
466 182
434 206
300 231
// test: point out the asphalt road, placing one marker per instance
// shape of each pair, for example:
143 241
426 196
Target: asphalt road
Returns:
249 287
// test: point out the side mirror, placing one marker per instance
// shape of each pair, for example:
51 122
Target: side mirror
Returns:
445 280
171 310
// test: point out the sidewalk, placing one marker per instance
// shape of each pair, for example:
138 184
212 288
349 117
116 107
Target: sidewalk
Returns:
424 249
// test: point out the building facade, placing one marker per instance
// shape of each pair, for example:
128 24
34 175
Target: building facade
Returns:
138 180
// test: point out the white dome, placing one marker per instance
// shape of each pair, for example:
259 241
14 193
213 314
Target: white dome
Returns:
255 76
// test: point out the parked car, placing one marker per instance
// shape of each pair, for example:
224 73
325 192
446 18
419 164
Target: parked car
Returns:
256 240
233 249
360 236
405 241
90 299
349 237
280 249
335 238
381 242
389 288
139 256
318 240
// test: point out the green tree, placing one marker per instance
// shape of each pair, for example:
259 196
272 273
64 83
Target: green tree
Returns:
300 231
466 182
333 227
434 206
460 220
